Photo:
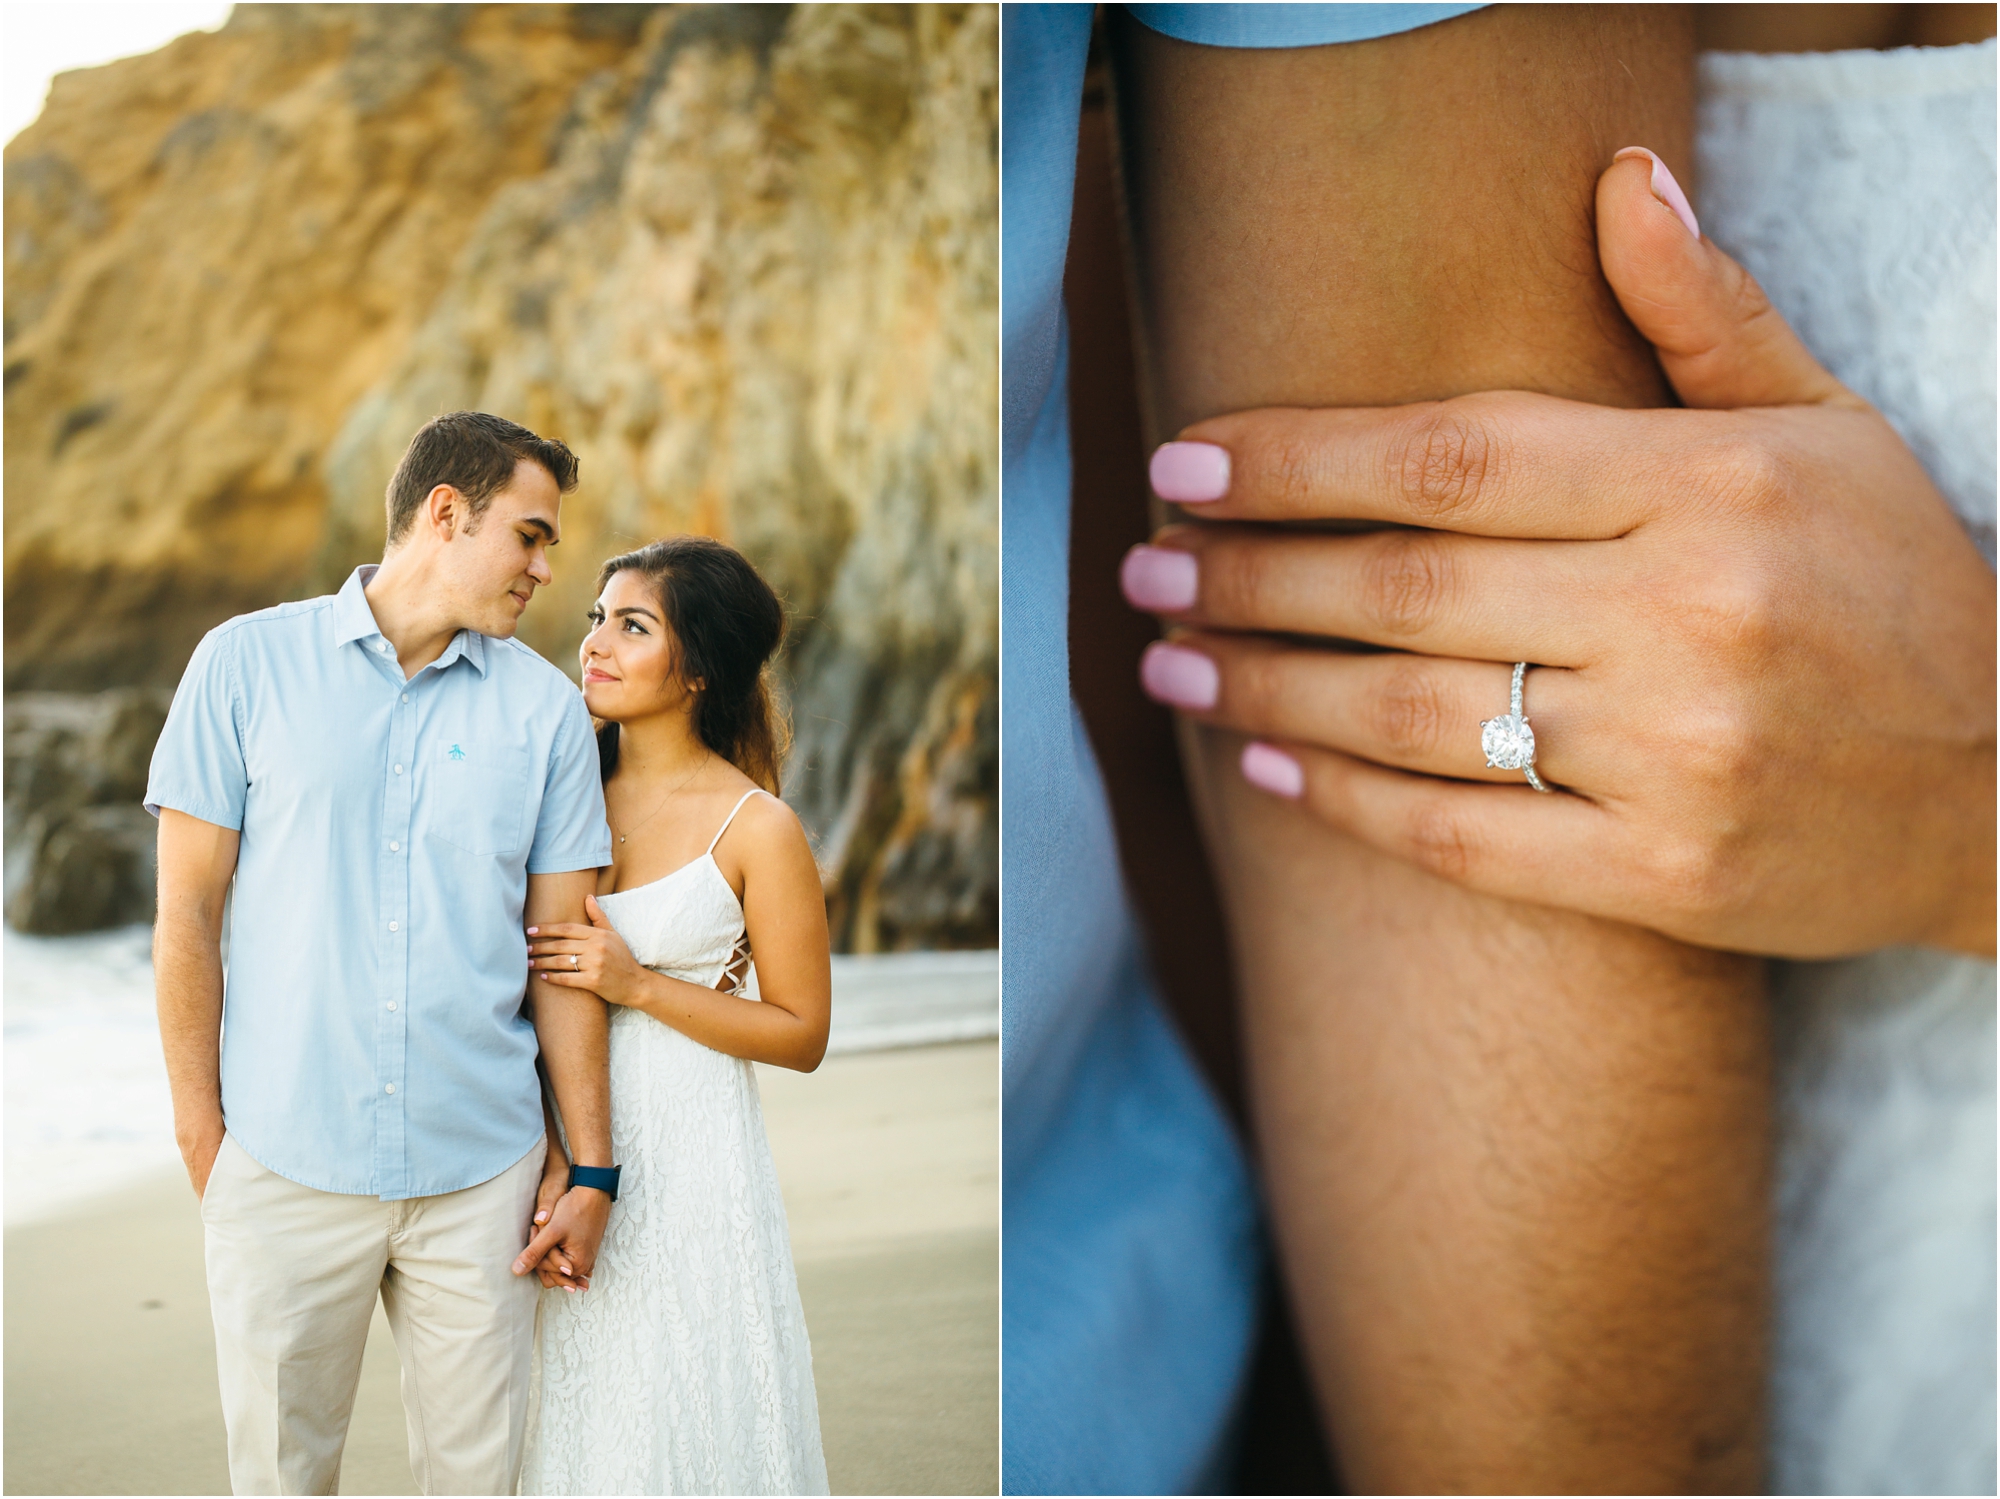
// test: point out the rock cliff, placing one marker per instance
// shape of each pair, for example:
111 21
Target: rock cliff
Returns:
742 258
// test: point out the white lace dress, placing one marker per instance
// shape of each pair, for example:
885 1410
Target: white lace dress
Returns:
1859 188
685 1368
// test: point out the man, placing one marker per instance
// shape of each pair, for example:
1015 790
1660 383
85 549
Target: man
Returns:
396 788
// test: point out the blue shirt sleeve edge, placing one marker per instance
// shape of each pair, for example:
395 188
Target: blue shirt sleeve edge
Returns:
194 806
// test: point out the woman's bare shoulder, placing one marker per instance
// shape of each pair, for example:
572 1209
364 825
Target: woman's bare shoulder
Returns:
764 829
770 821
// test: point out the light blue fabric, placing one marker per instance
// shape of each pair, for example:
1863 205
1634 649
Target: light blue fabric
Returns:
1132 1252
373 1040
1289 25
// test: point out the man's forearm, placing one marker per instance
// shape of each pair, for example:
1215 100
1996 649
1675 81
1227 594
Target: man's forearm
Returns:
197 865
575 1033
1517 1160
187 975
573 1027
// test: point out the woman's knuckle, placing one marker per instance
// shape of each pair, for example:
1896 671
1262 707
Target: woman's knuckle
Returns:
1446 463
1736 613
1747 472
1439 841
1410 712
1238 580
1252 682
1406 582
1288 467
1722 751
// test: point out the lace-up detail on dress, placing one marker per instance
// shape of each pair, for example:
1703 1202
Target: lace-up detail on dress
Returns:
685 1368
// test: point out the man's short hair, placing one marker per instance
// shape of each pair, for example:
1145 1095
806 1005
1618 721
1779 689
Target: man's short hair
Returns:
475 453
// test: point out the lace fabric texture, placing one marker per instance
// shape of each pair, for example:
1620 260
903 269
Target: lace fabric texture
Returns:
685 1368
1858 187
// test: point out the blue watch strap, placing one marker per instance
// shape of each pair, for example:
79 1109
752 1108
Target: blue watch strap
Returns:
604 1178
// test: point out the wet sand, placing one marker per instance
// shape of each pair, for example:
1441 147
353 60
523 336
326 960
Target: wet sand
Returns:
890 1168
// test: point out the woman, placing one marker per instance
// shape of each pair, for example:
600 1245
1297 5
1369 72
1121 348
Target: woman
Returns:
686 1370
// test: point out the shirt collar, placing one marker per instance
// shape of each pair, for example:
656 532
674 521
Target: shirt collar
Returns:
354 620
467 643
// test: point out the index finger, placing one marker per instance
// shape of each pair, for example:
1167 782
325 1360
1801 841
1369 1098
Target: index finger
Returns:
553 930
1501 463
531 1257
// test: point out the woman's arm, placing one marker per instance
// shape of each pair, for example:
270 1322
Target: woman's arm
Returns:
1517 1160
766 857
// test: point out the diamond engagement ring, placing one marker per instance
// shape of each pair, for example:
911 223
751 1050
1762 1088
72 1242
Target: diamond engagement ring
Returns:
1509 742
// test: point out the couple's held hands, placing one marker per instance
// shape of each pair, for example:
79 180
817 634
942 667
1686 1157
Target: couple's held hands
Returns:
592 957
1761 644
568 1226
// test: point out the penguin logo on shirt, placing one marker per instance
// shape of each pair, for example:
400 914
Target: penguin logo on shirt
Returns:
455 753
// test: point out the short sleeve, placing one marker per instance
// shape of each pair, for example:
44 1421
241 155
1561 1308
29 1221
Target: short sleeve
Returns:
571 832
1289 25
198 765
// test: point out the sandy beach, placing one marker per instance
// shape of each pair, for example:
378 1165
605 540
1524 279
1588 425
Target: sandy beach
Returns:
889 1161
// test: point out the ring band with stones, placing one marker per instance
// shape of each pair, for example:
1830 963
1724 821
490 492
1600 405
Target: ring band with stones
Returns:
1508 741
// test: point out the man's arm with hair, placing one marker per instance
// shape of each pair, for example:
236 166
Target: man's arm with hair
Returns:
574 1028
1517 1159
197 862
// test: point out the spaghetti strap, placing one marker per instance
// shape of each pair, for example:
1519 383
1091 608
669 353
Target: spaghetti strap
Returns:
729 819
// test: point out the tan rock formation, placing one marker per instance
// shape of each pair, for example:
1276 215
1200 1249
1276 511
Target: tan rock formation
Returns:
742 258
212 252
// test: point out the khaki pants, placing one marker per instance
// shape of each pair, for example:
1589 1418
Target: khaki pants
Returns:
293 1273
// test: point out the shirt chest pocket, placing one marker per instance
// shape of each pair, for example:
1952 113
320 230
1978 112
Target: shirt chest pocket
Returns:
476 796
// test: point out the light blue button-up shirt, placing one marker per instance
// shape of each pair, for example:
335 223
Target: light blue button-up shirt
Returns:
372 1035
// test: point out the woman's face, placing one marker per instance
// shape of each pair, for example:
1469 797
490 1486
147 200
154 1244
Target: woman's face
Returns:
630 658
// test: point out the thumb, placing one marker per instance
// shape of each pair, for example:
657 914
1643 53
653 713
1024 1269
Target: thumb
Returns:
595 912
1720 341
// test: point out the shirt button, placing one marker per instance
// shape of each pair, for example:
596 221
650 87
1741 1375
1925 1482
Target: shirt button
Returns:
399 770
384 647
392 926
392 1004
388 1087
406 697
395 848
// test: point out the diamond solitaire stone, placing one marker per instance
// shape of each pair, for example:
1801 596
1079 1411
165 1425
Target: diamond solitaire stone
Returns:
1508 741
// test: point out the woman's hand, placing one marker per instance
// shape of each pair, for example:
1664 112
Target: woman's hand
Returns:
590 957
1764 645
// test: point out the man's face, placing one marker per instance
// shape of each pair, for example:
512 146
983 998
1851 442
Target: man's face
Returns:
494 568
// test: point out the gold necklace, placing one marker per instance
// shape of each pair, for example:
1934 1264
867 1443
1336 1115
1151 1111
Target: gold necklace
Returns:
700 765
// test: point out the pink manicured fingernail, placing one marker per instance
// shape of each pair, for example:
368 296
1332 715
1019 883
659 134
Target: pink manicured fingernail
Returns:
1274 771
1175 675
1665 188
1190 473
1158 580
